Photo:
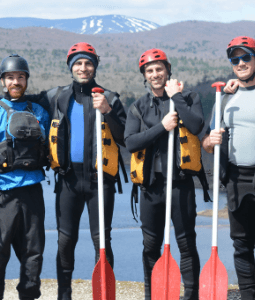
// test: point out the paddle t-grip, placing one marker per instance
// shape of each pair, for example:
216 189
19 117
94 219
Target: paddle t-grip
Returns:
218 85
97 90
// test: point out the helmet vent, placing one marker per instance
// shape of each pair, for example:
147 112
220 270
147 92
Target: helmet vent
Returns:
73 49
244 43
157 56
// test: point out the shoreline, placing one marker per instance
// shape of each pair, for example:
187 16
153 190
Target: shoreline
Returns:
222 213
82 289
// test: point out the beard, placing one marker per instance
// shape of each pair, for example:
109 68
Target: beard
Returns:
15 94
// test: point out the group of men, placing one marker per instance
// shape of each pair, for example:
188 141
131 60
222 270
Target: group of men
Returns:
26 122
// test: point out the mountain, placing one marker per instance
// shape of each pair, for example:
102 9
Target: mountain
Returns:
88 25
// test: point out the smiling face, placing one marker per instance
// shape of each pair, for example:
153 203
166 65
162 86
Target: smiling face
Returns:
244 70
16 83
83 70
156 75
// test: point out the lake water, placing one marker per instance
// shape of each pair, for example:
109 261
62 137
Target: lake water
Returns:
126 240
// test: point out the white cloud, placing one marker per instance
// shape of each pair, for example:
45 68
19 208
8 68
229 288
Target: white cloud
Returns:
162 12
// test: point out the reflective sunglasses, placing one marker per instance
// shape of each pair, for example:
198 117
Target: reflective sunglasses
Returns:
245 58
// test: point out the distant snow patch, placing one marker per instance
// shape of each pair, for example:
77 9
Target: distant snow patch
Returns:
84 26
91 25
98 30
117 23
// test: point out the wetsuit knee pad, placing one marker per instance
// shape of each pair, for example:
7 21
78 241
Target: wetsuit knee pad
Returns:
66 246
244 261
151 244
187 245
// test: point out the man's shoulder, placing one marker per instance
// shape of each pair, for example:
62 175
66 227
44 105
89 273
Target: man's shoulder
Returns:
52 92
143 100
187 93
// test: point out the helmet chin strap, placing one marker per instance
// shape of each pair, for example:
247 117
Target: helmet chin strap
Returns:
248 79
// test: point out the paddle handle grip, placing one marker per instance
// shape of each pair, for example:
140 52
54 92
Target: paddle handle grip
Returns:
97 90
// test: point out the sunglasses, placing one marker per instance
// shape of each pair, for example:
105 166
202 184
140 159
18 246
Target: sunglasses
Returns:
245 58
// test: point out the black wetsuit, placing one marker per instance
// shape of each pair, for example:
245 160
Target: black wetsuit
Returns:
77 182
152 200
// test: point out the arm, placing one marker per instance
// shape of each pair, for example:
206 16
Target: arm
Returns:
41 99
188 106
116 119
210 140
136 140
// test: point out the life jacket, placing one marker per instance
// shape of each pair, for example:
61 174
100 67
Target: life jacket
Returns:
189 158
55 143
110 150
24 146
111 155
189 161
140 163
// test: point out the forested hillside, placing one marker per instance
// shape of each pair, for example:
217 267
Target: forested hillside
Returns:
197 51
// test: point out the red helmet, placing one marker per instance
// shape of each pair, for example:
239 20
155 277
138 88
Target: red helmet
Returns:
152 55
241 42
81 47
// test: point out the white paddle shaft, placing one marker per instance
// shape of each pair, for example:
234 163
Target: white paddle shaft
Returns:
169 179
216 181
100 179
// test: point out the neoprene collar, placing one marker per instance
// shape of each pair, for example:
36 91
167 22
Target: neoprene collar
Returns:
81 90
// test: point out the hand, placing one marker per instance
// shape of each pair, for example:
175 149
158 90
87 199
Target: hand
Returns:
173 87
170 121
100 102
216 137
231 86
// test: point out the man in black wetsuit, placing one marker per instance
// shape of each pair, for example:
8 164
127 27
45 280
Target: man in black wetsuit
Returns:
76 157
154 109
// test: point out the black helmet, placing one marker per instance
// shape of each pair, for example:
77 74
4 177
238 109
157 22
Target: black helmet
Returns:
14 63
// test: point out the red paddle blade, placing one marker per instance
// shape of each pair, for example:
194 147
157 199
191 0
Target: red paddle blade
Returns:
103 279
166 278
213 280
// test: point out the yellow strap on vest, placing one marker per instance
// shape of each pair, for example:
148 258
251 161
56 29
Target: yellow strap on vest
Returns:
190 150
53 137
137 167
110 151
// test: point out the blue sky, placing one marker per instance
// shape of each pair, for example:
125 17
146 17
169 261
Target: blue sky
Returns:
161 12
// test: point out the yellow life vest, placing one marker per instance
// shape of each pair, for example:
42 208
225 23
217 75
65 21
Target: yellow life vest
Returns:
56 123
110 152
190 150
140 163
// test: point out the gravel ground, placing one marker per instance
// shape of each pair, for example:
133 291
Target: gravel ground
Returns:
125 290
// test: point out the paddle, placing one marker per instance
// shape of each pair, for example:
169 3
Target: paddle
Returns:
166 276
103 279
214 278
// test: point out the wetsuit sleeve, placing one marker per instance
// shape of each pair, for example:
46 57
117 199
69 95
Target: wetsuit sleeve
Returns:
3 121
136 140
116 119
191 115
41 99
